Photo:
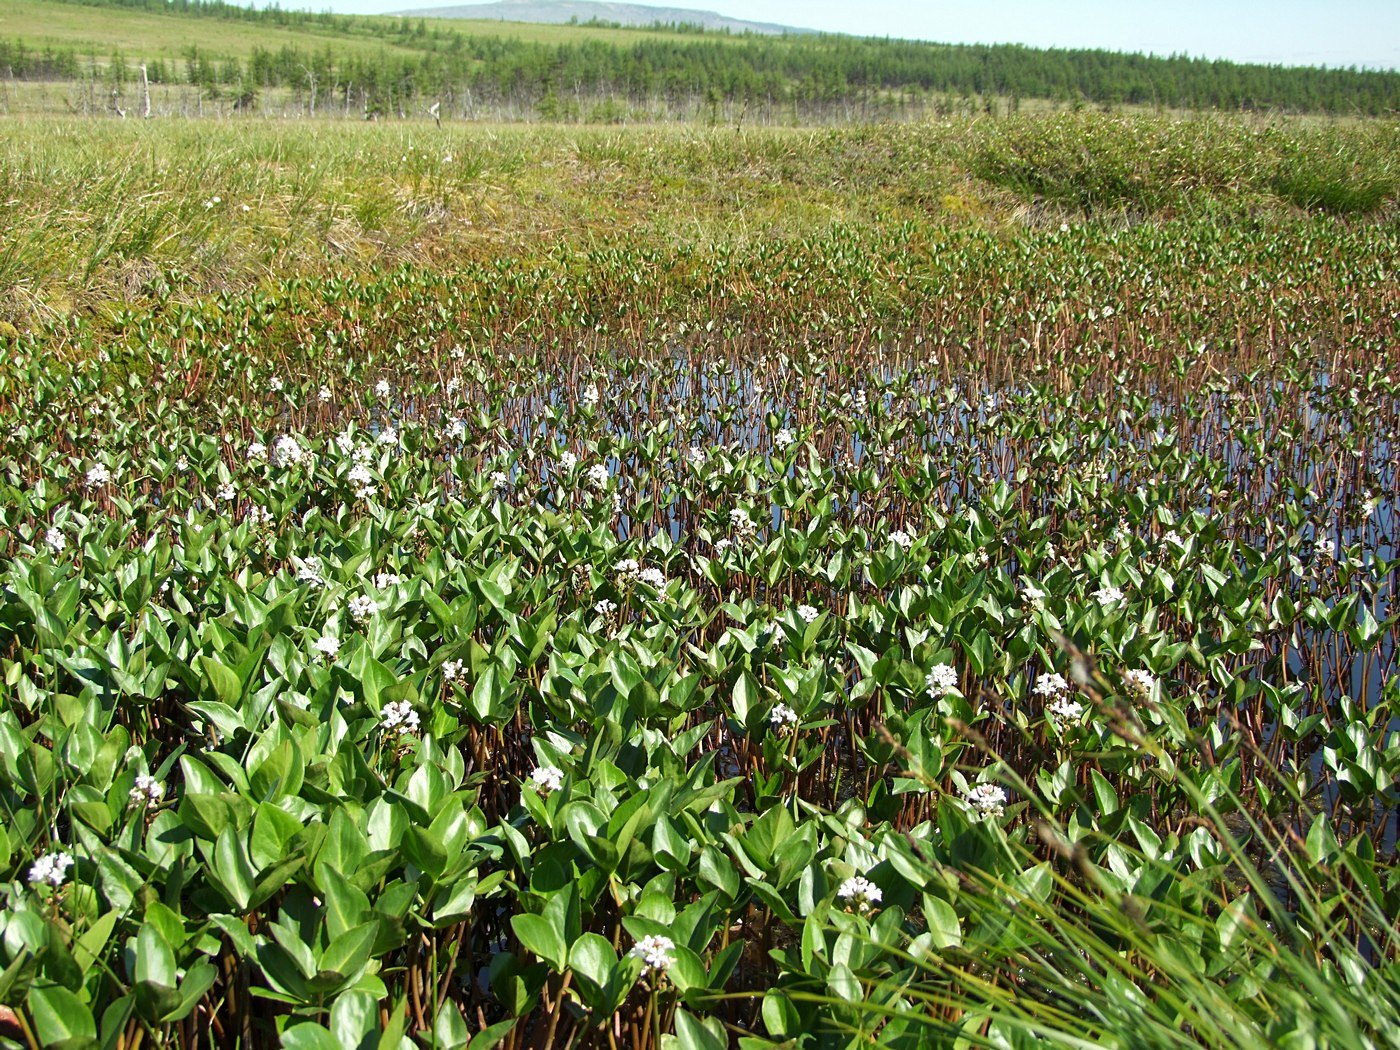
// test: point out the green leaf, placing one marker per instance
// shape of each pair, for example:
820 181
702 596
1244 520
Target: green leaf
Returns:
61 1019
309 1036
540 936
694 1034
355 1019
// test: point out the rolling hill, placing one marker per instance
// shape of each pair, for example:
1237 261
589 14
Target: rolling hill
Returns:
203 56
560 12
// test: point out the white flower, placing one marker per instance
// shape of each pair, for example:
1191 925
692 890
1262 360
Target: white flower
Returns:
1139 681
275 384
309 571
452 670
590 394
456 429
227 491
147 790
740 521
941 679
500 481
723 544
1325 548
1051 685
287 451
258 516
547 778
567 461
381 388
362 607
627 568
808 613
324 393
783 438
901 539
605 607
1108 597
457 353
696 454
399 717
859 892
182 464
1063 710
653 576
384 580
98 475
1032 594
327 645
56 540
987 799
51 868
1173 537
655 951
359 476
598 476
388 436
257 450
782 718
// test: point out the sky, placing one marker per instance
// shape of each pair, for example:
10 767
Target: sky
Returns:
1293 32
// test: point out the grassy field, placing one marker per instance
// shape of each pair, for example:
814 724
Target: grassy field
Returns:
147 35
668 588
96 212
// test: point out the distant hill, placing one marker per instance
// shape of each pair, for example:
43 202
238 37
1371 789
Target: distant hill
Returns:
561 12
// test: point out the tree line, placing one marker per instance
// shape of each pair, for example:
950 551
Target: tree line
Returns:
420 61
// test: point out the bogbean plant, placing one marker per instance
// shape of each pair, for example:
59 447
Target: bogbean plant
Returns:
384 669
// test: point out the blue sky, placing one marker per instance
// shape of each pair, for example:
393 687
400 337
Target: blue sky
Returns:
1302 32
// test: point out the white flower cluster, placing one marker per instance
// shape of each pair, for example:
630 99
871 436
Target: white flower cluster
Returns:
327 645
452 670
309 571
901 539
362 480
1031 594
782 718
1051 685
566 461
547 778
384 580
399 717
598 476
1063 710
362 607
56 540
381 388
1139 681
783 438
98 475
656 951
51 868
742 524
287 452
148 791
808 613
605 607
860 893
941 679
1108 597
590 395
987 799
